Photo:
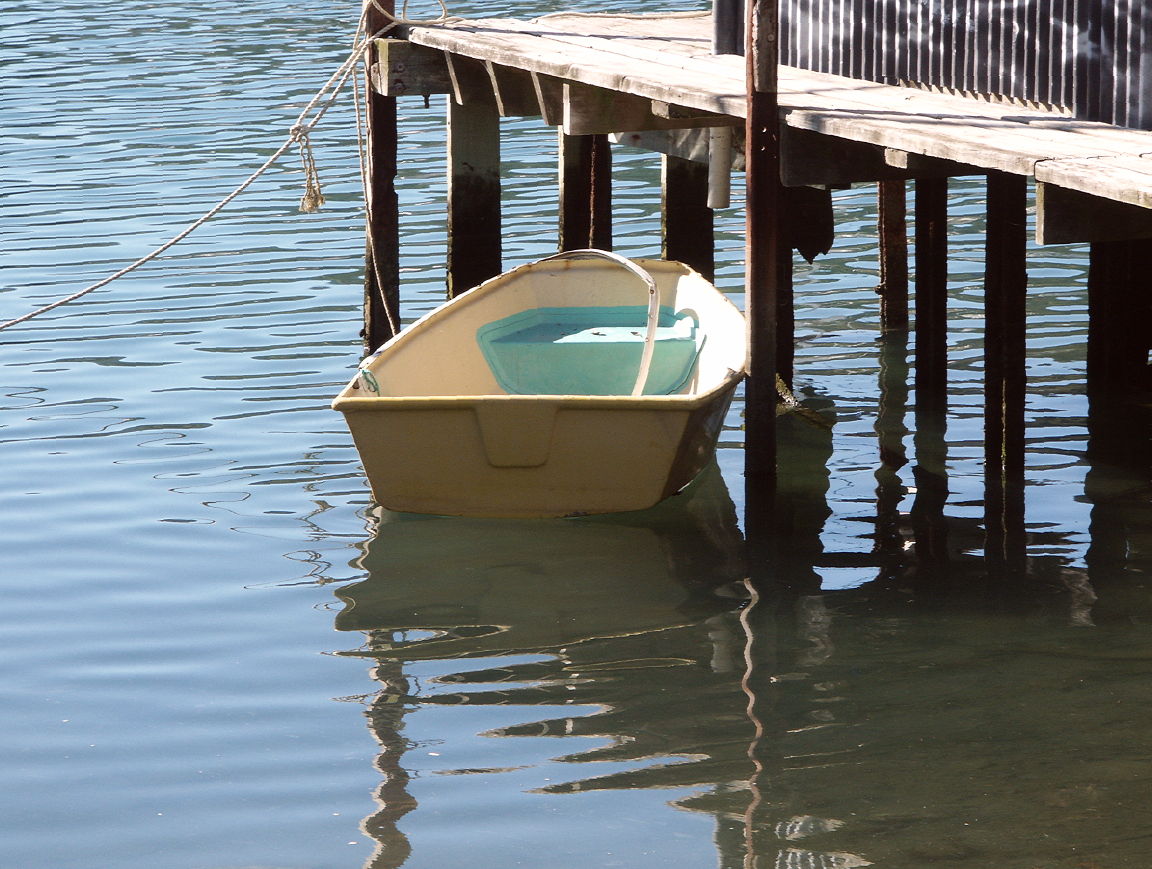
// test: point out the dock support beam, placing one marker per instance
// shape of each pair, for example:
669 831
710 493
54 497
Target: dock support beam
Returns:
474 239
1005 295
689 234
1119 421
932 295
931 362
1118 320
382 253
893 232
585 192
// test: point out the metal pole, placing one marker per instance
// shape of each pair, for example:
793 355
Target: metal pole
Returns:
763 248
382 255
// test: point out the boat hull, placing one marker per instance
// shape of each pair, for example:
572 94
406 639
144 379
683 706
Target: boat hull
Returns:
538 455
517 456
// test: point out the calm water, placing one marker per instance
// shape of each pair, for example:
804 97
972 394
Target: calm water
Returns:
219 655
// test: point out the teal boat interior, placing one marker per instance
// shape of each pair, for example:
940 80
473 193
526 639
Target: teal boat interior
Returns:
589 350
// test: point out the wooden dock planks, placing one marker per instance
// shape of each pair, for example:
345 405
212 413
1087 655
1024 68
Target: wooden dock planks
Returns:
667 58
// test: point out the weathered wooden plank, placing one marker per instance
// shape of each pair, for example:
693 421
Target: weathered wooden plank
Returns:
514 90
610 66
687 144
1124 179
669 61
923 166
808 157
470 82
550 96
589 110
1070 216
404 69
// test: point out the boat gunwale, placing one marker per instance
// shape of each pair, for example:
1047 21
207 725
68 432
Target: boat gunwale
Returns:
685 401
345 402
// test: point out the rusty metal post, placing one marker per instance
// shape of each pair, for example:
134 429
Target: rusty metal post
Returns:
585 192
893 232
382 255
763 244
1005 294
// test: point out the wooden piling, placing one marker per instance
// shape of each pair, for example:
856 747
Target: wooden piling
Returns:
382 230
1005 295
585 192
891 431
474 238
688 225
893 233
1118 320
930 531
931 295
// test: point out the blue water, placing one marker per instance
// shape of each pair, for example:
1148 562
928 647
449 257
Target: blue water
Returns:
219 655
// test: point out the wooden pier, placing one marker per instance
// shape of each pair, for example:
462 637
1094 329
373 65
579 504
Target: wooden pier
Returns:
654 82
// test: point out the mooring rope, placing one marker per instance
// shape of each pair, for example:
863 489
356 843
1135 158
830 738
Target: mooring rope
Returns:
313 198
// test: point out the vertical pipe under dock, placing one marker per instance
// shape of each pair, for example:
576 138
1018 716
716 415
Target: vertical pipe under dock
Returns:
763 248
382 230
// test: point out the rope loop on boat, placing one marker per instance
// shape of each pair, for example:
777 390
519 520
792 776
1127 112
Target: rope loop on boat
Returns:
653 303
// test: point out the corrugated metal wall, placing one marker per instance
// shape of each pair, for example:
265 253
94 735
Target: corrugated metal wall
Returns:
1092 57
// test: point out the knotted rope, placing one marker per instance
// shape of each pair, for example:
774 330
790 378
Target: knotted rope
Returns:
298 134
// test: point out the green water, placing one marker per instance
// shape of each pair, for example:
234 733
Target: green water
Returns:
219 655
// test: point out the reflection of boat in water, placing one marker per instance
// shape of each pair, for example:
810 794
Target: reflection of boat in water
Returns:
624 631
490 586
563 387
627 598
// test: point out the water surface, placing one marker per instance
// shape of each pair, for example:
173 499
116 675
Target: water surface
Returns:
221 655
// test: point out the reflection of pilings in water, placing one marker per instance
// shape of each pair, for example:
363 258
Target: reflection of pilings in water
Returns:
931 371
801 507
760 665
386 719
929 529
891 431
1119 425
1005 293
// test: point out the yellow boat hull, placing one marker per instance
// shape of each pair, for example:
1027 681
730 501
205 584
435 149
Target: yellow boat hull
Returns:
438 432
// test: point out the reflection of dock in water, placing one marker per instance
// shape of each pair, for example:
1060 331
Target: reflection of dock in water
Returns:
632 621
807 722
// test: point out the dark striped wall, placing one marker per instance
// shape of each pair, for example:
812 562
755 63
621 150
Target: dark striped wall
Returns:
1093 57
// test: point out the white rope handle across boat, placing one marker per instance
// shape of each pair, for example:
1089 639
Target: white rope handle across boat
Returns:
653 303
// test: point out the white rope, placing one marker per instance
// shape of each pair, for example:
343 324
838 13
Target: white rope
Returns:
298 134
632 16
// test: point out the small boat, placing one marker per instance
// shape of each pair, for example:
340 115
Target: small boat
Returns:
581 383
